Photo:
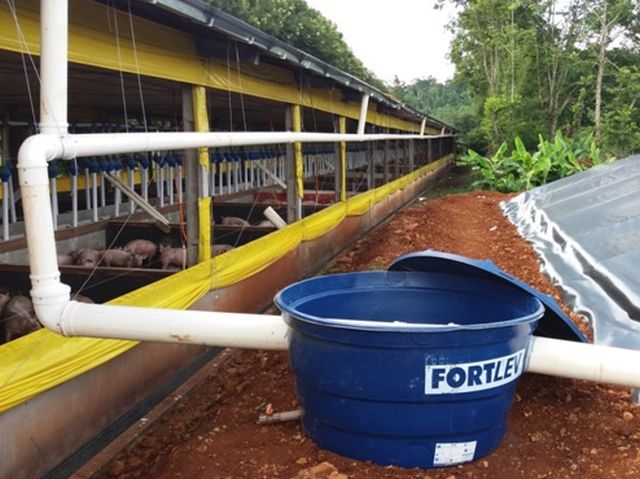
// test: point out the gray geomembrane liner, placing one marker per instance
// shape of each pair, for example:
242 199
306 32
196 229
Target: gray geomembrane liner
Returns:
586 232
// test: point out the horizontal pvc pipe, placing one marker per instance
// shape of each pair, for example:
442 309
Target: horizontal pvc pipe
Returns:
591 362
235 330
99 144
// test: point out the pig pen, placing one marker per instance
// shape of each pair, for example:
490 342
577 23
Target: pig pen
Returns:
558 428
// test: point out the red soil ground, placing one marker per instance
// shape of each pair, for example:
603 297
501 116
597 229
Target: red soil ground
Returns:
557 428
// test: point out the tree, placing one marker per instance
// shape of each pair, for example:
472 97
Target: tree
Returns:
609 20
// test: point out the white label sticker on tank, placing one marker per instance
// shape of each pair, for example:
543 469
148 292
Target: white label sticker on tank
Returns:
471 377
448 453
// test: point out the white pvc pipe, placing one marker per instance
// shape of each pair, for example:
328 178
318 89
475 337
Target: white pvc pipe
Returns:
12 203
160 185
116 202
5 210
237 330
170 175
87 192
274 217
131 182
362 120
94 195
591 362
74 200
103 191
53 187
101 144
145 183
179 180
423 126
53 66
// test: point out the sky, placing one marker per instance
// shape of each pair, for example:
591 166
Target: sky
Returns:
406 38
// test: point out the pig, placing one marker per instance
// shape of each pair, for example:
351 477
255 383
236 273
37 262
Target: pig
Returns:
4 299
144 248
217 249
65 260
172 257
87 257
121 258
18 318
265 224
233 221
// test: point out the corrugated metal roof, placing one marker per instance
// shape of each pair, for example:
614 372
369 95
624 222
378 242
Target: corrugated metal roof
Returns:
586 230
203 15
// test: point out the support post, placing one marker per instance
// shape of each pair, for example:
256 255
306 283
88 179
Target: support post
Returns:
340 161
201 124
191 168
371 169
412 155
385 160
396 160
294 166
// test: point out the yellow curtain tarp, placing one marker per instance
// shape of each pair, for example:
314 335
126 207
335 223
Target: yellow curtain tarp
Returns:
42 360
164 52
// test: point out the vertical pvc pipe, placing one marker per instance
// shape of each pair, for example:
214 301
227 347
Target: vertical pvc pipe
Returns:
53 186
160 184
180 195
53 66
170 184
12 203
236 175
103 191
423 125
94 194
145 183
74 198
5 210
87 192
252 173
220 183
130 181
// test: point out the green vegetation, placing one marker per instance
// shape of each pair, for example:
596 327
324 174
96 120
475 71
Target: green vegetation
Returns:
521 170
526 71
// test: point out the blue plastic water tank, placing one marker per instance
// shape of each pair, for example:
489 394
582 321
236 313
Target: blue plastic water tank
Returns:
414 369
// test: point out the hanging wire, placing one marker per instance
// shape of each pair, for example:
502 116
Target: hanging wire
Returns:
120 72
229 86
244 116
25 47
135 57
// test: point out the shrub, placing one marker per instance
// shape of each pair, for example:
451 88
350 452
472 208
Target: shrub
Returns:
521 170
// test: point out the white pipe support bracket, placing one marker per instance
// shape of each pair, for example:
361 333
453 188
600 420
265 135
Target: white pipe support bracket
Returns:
221 329
591 362
364 107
